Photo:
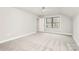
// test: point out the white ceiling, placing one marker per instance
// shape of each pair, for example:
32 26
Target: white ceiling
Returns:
69 11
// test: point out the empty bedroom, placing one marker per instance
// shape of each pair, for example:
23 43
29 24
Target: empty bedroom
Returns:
39 28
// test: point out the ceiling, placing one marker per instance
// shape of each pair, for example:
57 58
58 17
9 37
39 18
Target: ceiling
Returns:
69 11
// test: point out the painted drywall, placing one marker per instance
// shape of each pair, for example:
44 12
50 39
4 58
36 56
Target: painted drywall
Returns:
65 26
76 29
15 22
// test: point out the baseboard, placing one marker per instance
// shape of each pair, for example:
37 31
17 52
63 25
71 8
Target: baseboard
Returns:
14 38
68 34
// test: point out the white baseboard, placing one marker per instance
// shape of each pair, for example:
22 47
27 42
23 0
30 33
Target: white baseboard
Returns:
13 38
69 34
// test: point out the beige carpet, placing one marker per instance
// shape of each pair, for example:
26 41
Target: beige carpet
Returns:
40 42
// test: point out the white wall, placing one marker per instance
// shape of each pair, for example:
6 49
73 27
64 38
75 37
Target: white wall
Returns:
15 22
65 26
76 29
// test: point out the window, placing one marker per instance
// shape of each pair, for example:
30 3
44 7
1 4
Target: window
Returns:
52 22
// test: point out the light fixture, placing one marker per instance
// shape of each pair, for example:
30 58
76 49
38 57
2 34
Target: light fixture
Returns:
43 11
